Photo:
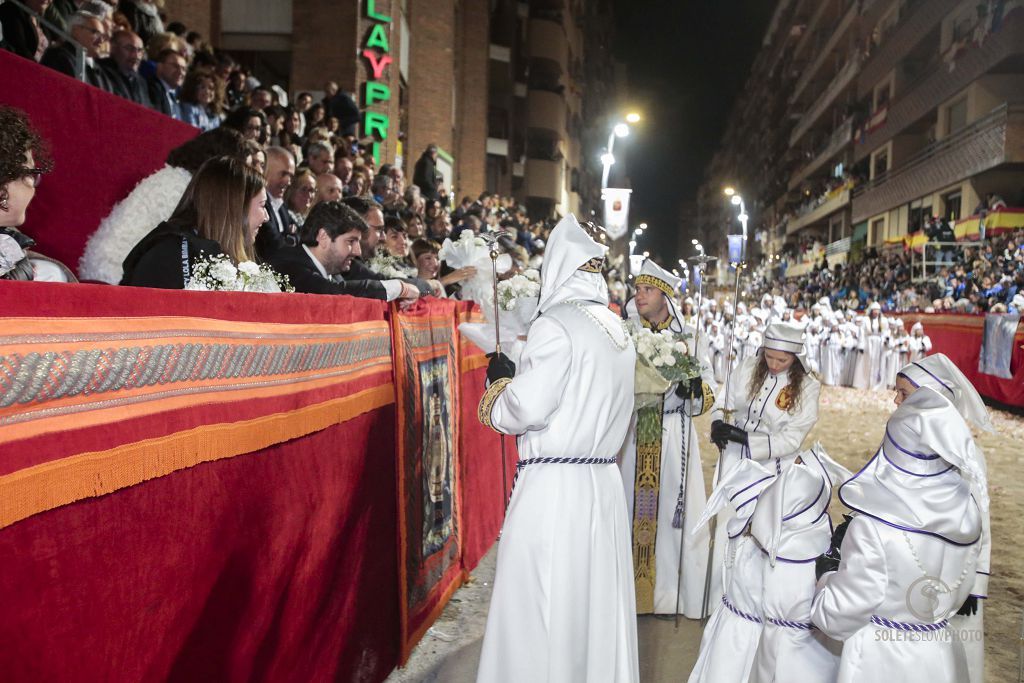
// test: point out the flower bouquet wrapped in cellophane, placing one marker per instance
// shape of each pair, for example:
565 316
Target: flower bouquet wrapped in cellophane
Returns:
662 359
518 298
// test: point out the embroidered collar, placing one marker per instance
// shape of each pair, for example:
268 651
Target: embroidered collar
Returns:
664 325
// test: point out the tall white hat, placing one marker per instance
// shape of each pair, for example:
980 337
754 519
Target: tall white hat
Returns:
571 254
938 372
739 488
785 337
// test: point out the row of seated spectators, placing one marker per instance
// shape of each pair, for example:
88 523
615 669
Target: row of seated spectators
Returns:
985 278
305 154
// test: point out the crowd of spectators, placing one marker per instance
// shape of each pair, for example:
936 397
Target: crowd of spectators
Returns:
974 279
305 153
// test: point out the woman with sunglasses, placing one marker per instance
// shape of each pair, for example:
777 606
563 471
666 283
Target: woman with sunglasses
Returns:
23 161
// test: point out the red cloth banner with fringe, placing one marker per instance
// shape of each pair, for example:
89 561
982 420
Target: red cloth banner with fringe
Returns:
959 337
430 523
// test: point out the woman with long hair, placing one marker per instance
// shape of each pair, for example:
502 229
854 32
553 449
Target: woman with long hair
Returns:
765 413
220 212
202 99
152 202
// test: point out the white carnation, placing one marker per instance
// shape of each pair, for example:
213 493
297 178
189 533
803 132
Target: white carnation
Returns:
224 271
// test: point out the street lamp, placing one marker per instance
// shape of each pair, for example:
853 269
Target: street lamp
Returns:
632 117
619 130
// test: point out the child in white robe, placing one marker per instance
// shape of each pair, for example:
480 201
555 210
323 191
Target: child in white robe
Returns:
732 633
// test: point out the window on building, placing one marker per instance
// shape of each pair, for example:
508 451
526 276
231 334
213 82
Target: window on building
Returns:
879 162
883 93
956 116
877 231
951 206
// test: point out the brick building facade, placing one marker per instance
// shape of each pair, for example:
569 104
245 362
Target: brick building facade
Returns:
498 85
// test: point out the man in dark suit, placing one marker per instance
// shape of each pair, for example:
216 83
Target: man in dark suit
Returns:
425 174
122 68
321 263
87 31
278 231
166 83
19 28
373 214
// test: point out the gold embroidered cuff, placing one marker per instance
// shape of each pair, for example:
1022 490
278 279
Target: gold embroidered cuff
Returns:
594 265
483 411
708 400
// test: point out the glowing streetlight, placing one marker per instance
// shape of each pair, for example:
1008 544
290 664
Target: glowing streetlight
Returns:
607 159
621 130
632 117
729 191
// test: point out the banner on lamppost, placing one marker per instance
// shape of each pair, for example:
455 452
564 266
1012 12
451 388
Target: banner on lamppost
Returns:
735 248
616 211
696 278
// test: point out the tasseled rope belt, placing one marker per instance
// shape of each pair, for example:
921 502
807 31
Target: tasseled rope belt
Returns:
677 515
522 464
904 626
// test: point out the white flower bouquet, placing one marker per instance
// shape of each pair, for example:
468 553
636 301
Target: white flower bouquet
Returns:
662 359
391 266
471 250
218 274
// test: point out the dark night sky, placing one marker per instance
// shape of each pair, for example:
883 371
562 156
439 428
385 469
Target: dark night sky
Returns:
687 61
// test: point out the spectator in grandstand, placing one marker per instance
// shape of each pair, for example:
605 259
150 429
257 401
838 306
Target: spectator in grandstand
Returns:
122 68
291 133
425 175
261 98
320 157
20 31
199 106
342 165
278 231
329 188
236 92
144 17
89 33
23 161
223 206
153 201
247 121
343 107
299 197
165 84
322 262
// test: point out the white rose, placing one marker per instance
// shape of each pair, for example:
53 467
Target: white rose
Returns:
667 359
248 268
657 362
681 347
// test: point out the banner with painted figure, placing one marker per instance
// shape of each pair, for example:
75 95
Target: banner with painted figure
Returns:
616 211
429 519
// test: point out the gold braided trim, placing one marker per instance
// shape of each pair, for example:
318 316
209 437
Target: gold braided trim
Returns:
483 411
709 398
663 325
594 265
652 281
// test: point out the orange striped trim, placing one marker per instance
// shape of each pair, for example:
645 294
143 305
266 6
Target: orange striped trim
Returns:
90 415
50 485
162 323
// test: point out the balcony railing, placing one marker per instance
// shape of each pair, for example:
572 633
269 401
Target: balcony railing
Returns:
836 142
547 41
912 28
820 212
838 84
943 83
993 140
825 53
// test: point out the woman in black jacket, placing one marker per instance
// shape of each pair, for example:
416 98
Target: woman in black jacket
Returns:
220 212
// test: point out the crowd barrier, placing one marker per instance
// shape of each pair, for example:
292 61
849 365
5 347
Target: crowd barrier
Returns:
229 486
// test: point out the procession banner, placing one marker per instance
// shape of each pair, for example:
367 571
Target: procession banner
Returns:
427 375
616 211
997 344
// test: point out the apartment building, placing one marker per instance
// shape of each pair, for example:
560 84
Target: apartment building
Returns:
895 110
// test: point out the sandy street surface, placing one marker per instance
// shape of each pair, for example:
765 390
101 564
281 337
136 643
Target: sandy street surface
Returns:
850 427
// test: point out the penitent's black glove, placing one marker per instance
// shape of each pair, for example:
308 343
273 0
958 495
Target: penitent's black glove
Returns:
830 559
500 366
723 432
969 607
693 388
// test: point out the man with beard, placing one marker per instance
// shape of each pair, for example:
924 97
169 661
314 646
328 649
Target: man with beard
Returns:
321 263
